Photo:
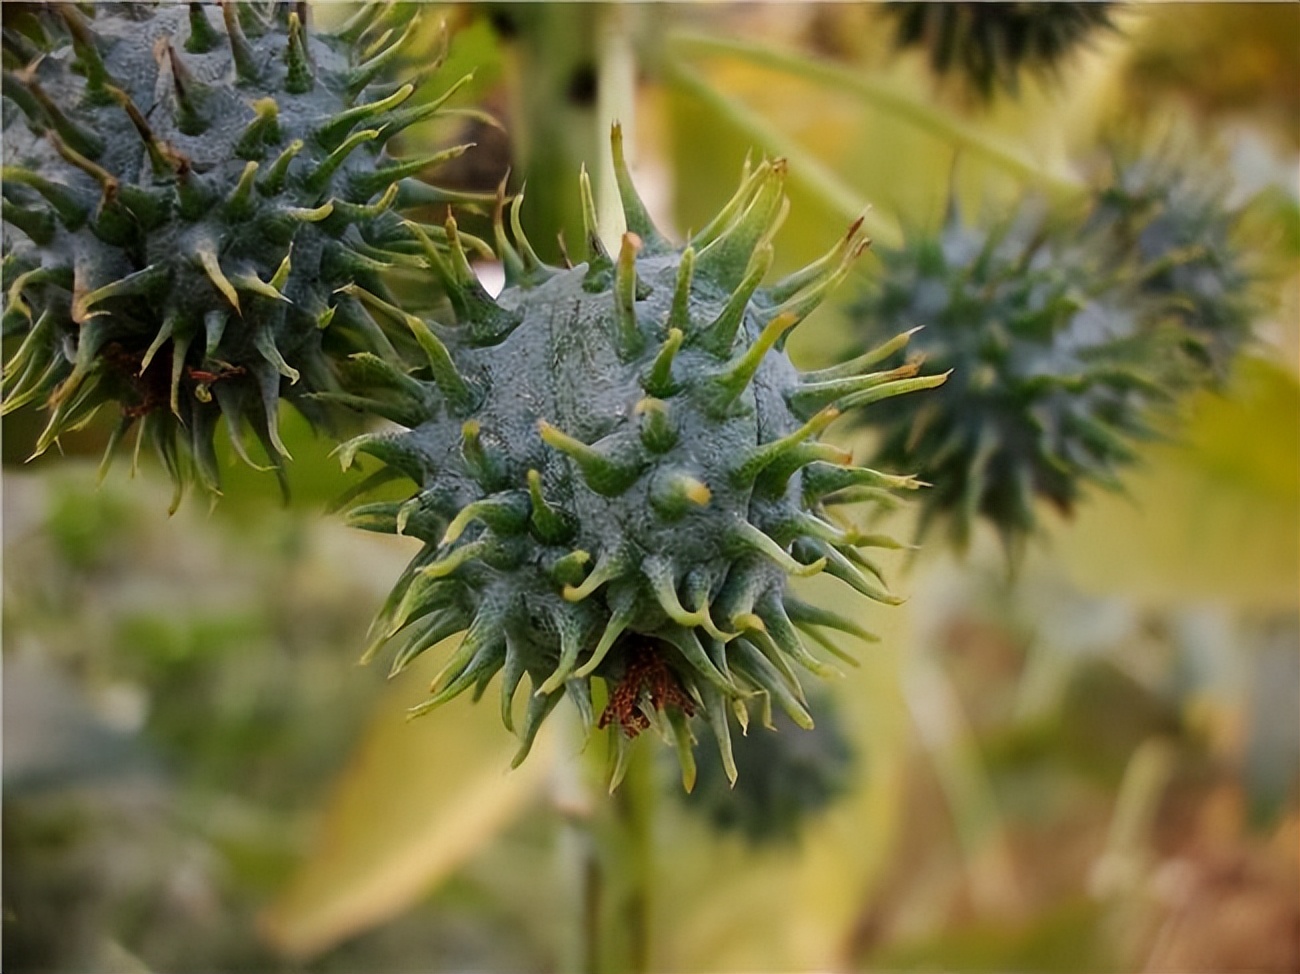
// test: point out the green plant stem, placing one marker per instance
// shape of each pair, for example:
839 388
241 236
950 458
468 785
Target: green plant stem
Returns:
557 132
884 98
575 801
592 892
1121 875
1121 868
633 812
617 883
616 102
606 855
806 170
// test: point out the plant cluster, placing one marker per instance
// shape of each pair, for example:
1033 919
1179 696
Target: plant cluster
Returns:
1170 225
616 466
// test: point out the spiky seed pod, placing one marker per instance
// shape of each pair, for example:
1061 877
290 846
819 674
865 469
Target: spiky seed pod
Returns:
1172 227
185 187
617 468
785 779
989 44
1058 363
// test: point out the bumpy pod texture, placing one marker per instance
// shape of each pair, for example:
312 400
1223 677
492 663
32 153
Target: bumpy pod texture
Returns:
618 468
1058 361
786 779
185 186
990 44
1171 224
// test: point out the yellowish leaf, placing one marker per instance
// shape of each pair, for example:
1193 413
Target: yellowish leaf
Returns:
417 800
1212 516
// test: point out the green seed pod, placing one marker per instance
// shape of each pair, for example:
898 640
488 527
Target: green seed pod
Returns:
1057 360
185 188
990 44
619 473
1171 226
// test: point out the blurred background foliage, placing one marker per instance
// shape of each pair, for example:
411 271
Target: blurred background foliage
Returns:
1087 763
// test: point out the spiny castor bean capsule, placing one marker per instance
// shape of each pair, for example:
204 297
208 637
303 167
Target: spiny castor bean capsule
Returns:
185 187
617 469
1060 358
1169 224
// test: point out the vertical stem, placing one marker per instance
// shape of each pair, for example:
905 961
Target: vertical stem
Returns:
944 731
1120 876
607 857
632 811
580 862
616 102
615 844
552 89
579 859
592 889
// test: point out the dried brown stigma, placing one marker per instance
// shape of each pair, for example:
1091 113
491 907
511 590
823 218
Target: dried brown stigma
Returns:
648 680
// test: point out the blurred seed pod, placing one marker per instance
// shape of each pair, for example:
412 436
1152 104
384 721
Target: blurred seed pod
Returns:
1059 358
786 778
1170 224
989 45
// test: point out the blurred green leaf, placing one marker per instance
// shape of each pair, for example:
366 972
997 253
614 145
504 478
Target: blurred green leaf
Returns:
416 801
888 99
1214 514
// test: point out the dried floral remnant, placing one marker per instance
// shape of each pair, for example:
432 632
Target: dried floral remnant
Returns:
647 682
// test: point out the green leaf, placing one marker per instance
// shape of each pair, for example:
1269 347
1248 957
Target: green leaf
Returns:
416 801
881 97
1215 514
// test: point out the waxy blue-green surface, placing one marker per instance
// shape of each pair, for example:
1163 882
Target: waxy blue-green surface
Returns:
620 460
185 187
